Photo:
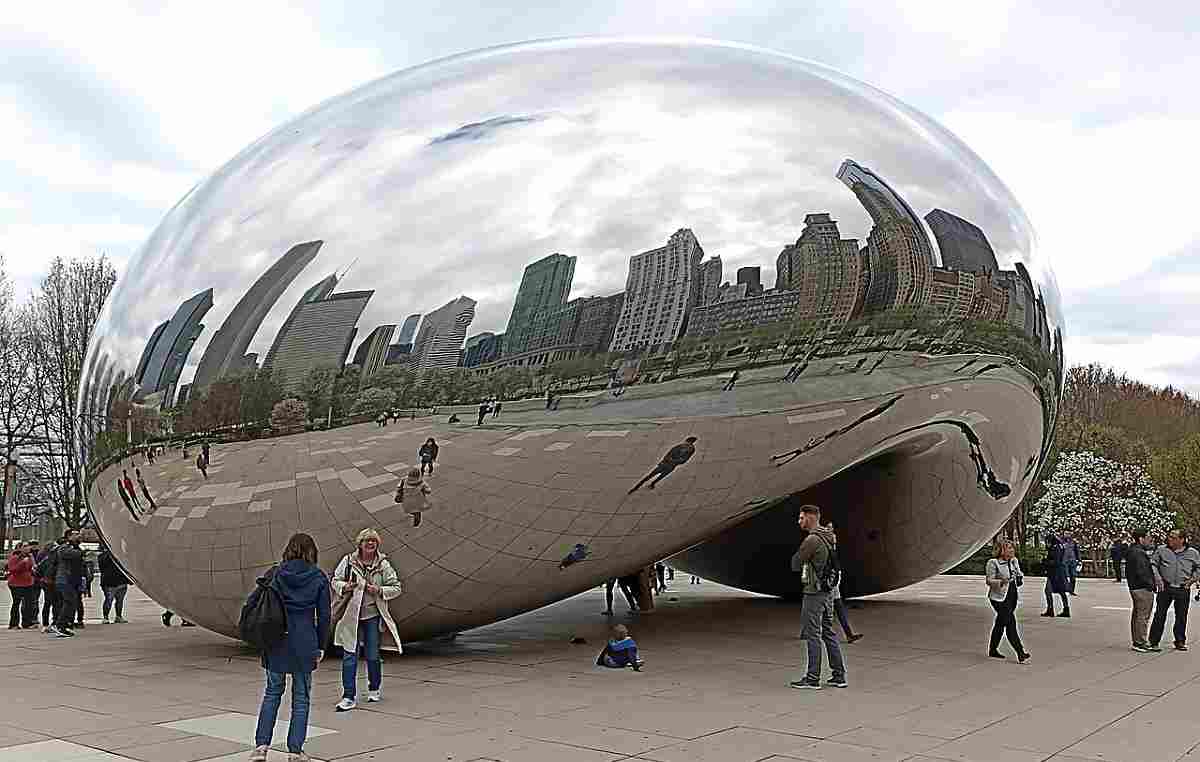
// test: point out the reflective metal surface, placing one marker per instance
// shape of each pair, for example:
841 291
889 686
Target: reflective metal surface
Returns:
643 219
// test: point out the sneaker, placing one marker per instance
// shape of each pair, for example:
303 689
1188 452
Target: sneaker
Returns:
64 634
104 621
837 683
996 655
121 620
1181 647
373 696
260 754
345 705
1022 658
1065 614
50 630
1154 647
186 623
1141 648
299 757
805 685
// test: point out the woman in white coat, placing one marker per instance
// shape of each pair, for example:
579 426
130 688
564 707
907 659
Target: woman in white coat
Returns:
363 583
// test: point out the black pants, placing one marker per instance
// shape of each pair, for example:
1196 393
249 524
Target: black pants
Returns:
839 608
1117 569
1177 596
22 613
660 472
67 608
1006 622
50 604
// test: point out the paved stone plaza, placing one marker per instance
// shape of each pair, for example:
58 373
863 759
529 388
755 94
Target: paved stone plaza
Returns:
715 687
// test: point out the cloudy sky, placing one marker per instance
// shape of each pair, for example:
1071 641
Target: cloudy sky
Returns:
110 114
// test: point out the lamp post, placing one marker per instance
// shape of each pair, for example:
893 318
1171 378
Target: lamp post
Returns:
10 482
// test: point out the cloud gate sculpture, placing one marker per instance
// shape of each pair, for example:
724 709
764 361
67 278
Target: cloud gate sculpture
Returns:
703 282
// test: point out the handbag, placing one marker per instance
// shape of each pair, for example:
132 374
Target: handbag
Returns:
338 609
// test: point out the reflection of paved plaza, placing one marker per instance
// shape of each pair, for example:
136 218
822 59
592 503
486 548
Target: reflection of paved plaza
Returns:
715 688
513 497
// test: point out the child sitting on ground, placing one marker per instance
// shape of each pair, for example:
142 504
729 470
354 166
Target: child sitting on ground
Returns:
620 651
413 493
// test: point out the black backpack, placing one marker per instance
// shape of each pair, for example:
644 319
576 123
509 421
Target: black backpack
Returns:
264 620
831 575
47 568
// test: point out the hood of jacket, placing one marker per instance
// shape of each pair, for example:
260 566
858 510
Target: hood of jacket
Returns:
300 583
826 534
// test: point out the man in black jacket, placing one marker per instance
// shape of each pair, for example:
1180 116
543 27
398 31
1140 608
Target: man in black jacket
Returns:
69 582
1143 581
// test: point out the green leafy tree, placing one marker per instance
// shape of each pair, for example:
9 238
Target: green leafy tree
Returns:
373 400
317 391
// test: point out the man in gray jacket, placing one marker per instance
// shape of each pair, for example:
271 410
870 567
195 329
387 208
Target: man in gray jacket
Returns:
812 560
1178 566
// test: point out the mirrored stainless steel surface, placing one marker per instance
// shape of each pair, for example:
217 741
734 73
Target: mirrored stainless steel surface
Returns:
706 283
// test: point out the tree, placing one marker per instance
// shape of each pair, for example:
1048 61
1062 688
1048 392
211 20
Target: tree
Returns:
373 400
1177 472
1098 500
64 312
289 415
317 391
18 421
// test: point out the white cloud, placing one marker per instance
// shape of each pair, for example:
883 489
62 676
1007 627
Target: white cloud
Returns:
1157 358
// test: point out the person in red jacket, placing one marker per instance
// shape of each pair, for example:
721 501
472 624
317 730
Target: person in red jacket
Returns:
20 585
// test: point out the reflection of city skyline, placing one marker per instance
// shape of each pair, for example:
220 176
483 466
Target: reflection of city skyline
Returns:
672 292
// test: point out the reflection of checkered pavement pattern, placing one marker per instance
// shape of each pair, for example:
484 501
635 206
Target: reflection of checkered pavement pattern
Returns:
511 498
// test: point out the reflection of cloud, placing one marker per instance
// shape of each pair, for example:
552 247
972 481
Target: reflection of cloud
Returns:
480 130
638 141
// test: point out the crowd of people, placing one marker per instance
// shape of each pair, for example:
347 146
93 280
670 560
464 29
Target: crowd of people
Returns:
56 580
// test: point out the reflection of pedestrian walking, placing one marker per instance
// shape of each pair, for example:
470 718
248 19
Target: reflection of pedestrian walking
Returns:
483 411
733 377
660 572
428 455
413 493
675 457
145 492
125 499
496 409
128 484
202 464
204 450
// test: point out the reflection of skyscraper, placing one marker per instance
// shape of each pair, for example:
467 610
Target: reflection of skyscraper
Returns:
171 347
317 334
597 321
752 278
901 256
440 340
155 335
711 275
225 353
409 329
544 286
483 348
963 245
825 269
372 352
659 291
315 293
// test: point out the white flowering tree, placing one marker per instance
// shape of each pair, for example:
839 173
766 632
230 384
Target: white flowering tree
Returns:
1098 500
289 415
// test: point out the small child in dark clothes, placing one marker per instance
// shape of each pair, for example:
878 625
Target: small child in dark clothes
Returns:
620 652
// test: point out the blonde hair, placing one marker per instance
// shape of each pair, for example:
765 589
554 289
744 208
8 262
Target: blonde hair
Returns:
366 534
1002 544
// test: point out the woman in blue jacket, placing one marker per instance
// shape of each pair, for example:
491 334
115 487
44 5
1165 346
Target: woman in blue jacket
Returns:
304 589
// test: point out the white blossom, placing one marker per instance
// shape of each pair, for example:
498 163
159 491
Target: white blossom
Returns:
1098 500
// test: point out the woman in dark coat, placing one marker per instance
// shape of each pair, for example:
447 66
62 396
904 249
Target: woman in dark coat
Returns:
1057 579
304 589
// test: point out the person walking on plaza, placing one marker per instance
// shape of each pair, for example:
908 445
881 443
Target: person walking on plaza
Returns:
483 411
733 378
1071 557
428 455
304 590
202 464
1003 576
1176 568
145 490
1057 581
1142 579
415 494
364 582
814 560
127 483
68 581
20 586
839 606
496 408
1117 554
114 583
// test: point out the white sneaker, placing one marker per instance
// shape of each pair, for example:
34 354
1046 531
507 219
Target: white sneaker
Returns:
373 696
345 705
121 620
104 620
260 754
299 757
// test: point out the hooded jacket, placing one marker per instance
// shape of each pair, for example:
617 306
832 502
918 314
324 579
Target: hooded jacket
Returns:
1138 570
305 592
70 573
810 560
428 451
20 570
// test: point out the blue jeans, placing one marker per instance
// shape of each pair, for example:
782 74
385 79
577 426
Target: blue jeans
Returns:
115 595
368 641
817 618
298 726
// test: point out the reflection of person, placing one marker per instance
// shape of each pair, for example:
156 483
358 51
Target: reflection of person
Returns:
733 377
428 455
367 577
629 588
145 491
675 457
125 499
815 442
496 409
413 493
1003 576
483 411
839 605
202 464
1177 567
127 483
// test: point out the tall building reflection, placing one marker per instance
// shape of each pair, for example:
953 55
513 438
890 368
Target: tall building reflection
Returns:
317 334
226 353
372 352
439 341
409 330
545 286
661 289
166 353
